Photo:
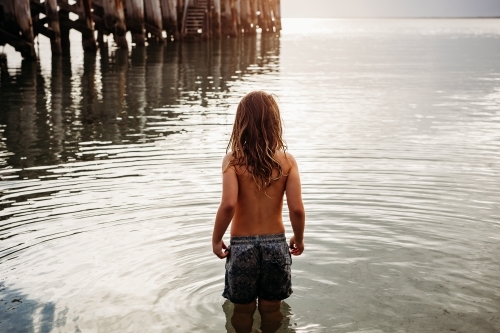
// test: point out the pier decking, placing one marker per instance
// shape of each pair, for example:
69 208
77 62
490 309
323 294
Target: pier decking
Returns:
21 21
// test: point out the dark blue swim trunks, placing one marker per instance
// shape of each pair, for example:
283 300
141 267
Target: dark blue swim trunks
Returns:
258 266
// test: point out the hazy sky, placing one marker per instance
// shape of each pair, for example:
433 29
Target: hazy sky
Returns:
390 8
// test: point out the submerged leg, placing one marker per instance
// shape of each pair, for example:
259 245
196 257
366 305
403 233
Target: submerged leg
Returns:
242 319
271 315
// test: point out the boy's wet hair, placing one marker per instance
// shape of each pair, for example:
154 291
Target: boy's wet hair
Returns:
257 136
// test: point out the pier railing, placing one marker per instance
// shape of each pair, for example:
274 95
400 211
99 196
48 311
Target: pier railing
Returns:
21 21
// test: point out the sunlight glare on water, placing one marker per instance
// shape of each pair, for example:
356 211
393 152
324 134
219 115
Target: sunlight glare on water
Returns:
111 167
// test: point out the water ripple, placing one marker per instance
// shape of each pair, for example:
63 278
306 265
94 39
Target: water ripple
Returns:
110 170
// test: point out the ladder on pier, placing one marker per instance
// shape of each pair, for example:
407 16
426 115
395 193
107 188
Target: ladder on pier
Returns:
196 20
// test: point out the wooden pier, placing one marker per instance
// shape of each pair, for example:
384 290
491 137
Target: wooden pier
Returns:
158 21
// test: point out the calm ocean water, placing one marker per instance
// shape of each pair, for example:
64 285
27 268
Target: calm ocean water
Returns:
110 169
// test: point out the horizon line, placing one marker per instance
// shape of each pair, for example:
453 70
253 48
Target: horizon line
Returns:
397 17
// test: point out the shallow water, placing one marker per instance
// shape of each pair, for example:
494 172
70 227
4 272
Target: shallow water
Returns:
111 179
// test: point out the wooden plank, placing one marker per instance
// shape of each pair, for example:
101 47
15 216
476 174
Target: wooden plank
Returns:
135 21
39 28
169 14
152 16
114 21
13 40
23 18
37 7
53 22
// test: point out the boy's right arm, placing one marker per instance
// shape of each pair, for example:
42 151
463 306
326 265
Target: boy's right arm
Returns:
295 207
226 208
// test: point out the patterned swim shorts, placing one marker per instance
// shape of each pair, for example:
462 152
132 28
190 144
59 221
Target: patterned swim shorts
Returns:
258 266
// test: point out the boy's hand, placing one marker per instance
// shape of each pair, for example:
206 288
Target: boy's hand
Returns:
219 249
296 248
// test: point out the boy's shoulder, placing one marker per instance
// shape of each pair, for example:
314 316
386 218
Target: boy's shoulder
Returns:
226 161
288 157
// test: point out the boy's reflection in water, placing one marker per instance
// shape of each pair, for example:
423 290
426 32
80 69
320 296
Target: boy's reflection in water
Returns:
253 321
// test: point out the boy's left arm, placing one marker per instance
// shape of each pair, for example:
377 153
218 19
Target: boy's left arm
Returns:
226 209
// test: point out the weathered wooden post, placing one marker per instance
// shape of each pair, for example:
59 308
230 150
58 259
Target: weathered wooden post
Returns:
227 21
206 27
9 14
245 16
184 17
53 21
253 16
237 14
216 19
152 17
23 17
265 15
260 18
135 21
85 17
277 14
64 16
114 21
169 13
269 14
208 19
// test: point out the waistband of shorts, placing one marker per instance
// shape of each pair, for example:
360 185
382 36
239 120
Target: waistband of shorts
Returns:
235 240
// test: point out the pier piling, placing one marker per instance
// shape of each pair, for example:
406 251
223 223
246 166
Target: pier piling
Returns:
135 21
277 14
53 22
169 14
23 17
237 14
21 21
65 29
228 23
216 18
114 21
85 18
153 19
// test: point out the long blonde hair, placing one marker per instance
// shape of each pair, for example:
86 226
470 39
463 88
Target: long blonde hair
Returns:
257 136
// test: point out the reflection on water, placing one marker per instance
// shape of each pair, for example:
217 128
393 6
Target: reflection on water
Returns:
285 326
119 97
19 313
110 169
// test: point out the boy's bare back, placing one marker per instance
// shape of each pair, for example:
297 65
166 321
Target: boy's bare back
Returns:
253 212
260 212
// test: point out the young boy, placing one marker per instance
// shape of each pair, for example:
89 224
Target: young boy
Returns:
257 173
